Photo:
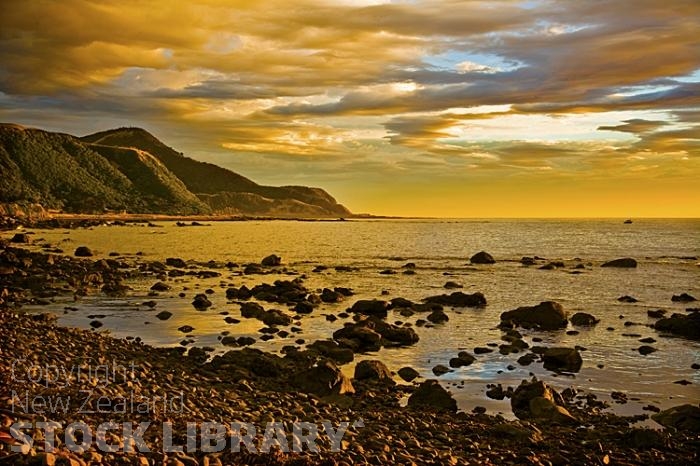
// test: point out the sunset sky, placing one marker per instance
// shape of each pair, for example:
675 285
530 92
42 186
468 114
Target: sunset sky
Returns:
531 108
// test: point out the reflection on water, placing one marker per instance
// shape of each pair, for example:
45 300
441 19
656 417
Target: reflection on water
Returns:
440 250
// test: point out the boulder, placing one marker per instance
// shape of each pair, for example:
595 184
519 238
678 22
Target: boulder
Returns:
562 359
680 324
332 350
304 307
408 374
626 262
275 317
627 299
482 257
175 262
535 400
331 296
583 319
373 371
272 260
83 251
458 299
160 286
251 310
463 359
20 238
547 315
683 417
164 315
438 316
440 369
371 307
431 395
201 301
253 361
683 298
323 379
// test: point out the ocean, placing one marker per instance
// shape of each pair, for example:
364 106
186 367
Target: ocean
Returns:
667 251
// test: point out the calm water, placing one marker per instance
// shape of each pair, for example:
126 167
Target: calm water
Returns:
440 250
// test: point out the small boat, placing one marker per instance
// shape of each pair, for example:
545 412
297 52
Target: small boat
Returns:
628 221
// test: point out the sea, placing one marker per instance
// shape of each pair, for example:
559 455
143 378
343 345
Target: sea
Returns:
667 251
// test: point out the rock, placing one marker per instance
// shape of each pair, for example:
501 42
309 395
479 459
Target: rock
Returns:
271 261
252 269
627 299
83 251
323 379
684 418
251 310
537 401
482 257
463 359
438 317
547 315
164 315
275 317
658 314
175 262
646 349
201 302
304 307
482 350
96 324
332 350
362 337
440 369
253 361
408 373
186 329
680 324
371 307
20 238
683 298
160 286
331 296
458 299
626 262
432 396
583 319
451 285
373 371
562 359
528 260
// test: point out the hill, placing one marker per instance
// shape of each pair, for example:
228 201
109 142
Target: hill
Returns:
128 169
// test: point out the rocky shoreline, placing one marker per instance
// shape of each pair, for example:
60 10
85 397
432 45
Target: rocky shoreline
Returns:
249 386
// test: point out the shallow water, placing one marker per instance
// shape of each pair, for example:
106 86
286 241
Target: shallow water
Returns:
440 249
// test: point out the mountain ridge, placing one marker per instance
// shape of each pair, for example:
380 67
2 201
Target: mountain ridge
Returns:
129 169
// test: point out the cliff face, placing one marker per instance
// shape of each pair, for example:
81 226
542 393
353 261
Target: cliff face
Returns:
130 170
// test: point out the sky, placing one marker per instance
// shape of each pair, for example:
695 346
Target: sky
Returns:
536 108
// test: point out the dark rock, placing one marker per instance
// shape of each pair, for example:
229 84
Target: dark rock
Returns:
371 307
20 238
458 299
452 285
331 296
83 251
440 369
252 310
535 400
399 302
332 350
160 286
627 299
322 380
304 307
683 418
176 262
547 315
201 302
271 261
164 315
275 317
482 257
583 319
562 359
646 349
658 314
344 291
496 392
231 320
626 262
463 359
408 373
680 324
96 324
683 298
438 317
482 350
528 261
252 361
432 396
527 359
373 371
